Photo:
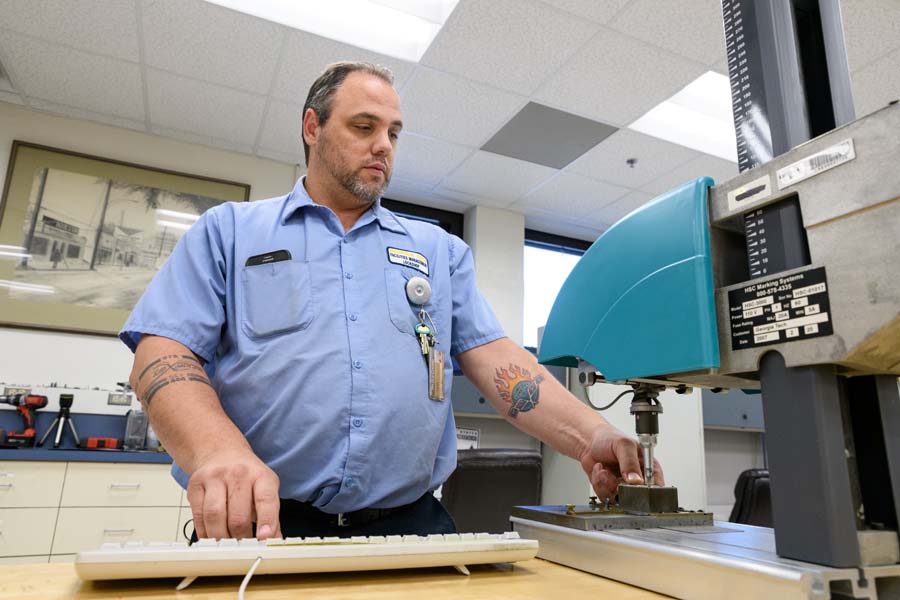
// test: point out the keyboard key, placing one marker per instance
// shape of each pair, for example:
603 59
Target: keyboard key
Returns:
205 543
228 542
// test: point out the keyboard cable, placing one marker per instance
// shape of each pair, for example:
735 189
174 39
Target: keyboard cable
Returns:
247 577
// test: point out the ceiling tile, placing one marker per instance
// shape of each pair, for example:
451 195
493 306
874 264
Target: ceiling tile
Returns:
704 165
78 113
599 11
445 106
205 109
418 193
499 180
72 77
691 28
655 157
571 196
547 136
871 29
281 130
203 140
103 27
306 56
616 79
512 44
877 84
427 160
609 215
550 223
288 158
10 98
208 42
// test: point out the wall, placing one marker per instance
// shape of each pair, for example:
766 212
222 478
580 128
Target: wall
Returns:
728 453
37 357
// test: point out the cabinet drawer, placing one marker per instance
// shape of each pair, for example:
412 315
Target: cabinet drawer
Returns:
26 531
120 484
30 484
88 528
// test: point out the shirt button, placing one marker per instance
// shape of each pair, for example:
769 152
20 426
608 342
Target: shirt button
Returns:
353 316
348 275
349 481
357 422
357 364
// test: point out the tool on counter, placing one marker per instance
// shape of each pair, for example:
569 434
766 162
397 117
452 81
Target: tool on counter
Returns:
101 443
63 417
25 404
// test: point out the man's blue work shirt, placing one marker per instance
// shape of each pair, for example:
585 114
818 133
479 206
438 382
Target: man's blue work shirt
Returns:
314 358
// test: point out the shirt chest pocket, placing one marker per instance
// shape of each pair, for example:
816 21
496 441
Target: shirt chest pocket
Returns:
277 298
402 313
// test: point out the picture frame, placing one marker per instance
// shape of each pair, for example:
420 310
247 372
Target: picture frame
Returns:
81 236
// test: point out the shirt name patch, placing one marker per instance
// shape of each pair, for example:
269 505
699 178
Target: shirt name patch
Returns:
408 258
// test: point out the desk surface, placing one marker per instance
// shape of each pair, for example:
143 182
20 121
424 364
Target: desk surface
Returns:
536 579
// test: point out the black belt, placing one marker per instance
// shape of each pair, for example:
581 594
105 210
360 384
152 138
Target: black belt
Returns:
305 510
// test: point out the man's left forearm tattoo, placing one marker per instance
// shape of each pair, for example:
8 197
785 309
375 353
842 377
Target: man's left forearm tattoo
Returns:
167 370
519 388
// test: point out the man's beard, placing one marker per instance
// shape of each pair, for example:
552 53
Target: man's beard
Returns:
349 179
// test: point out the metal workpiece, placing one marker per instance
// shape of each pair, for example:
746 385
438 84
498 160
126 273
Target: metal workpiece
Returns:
726 560
648 499
597 517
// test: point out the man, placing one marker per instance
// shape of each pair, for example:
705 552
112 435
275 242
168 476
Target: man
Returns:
276 351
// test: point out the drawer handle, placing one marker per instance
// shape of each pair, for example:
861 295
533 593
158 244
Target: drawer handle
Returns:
118 531
5 486
117 486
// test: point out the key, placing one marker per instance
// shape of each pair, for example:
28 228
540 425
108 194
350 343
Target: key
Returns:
423 332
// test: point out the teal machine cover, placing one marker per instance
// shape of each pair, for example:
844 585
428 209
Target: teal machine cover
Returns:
640 302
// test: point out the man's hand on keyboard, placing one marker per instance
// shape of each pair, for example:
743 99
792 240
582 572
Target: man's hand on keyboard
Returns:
229 491
613 458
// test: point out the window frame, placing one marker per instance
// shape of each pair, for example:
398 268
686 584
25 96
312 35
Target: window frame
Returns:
451 222
557 243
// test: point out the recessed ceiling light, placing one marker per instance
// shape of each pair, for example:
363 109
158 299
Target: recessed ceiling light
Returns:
400 28
699 117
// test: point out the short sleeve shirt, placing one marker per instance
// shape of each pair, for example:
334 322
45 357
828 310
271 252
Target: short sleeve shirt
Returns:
309 340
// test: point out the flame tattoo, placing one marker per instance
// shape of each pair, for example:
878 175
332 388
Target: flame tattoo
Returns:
516 386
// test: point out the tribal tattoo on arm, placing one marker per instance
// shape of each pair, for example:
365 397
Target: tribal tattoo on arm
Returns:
167 370
519 388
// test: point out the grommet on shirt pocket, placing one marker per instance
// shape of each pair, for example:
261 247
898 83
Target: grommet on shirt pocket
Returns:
402 314
277 298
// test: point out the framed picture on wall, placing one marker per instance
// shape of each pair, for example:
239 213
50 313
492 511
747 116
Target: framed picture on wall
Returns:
82 236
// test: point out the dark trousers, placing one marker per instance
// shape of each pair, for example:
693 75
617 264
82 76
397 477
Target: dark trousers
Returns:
422 517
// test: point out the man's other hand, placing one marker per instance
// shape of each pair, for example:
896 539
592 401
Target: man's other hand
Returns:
613 458
229 491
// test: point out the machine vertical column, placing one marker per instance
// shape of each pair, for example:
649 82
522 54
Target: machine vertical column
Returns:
812 500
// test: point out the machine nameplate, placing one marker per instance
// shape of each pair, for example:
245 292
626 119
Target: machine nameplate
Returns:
819 162
785 309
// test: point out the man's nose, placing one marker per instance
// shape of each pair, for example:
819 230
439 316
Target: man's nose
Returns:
383 146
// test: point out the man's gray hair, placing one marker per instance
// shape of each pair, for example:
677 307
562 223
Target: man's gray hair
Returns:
321 93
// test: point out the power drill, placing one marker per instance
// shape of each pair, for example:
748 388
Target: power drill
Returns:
24 403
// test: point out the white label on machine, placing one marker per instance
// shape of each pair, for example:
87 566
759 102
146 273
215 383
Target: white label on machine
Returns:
817 163
754 190
467 438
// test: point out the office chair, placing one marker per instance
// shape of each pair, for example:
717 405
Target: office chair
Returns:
752 499
487 483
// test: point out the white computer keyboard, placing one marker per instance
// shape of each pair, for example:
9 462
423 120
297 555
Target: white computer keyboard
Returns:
136 560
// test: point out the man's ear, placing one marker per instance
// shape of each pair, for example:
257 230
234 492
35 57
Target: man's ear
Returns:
310 130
